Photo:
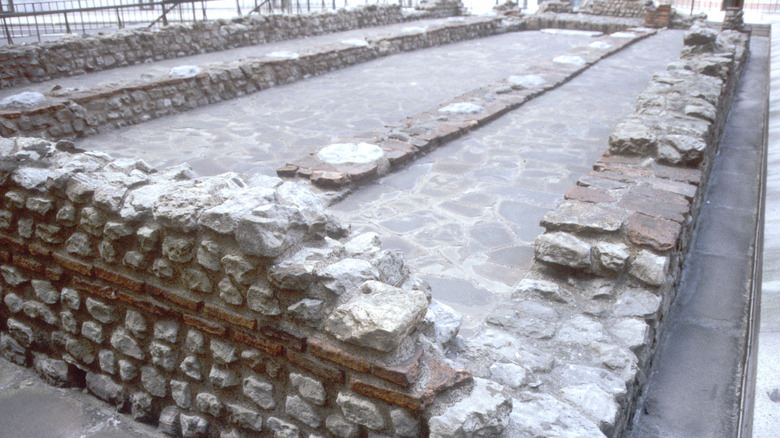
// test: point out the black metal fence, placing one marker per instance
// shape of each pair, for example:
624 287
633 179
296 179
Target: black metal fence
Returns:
25 20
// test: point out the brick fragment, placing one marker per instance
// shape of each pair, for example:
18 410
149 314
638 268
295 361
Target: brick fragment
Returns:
72 264
412 402
119 279
404 374
205 325
329 179
229 316
15 244
39 250
291 340
54 272
332 353
261 344
179 298
94 288
657 233
147 304
681 174
28 263
588 194
287 171
5 256
327 372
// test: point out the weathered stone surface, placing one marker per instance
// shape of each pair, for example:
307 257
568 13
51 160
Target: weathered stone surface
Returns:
148 238
404 424
208 403
260 298
610 256
13 276
346 275
93 331
245 417
166 331
546 289
299 409
21 332
70 297
310 389
162 268
229 293
631 333
122 341
194 342
563 249
441 323
340 427
223 378
103 312
584 217
169 421
162 355
54 372
208 255
298 271
11 350
379 317
222 352
657 233
37 310
224 218
509 374
154 382
45 291
307 310
193 426
485 412
127 370
538 415
360 410
178 249
239 268
581 330
260 392
265 232
181 393
197 280
282 429
136 323
142 407
106 389
649 268
107 361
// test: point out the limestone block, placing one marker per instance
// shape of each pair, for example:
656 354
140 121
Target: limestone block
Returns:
360 410
340 427
127 370
379 316
282 429
485 412
209 403
167 331
229 293
79 244
191 367
260 392
37 310
346 275
162 355
122 341
404 424
193 426
442 322
649 268
245 417
93 331
223 378
222 352
70 297
194 341
136 323
562 249
106 389
299 409
107 361
310 389
12 275
21 332
178 249
181 393
307 310
13 302
633 136
154 382
102 312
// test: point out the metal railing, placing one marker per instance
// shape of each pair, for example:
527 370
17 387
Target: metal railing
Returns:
757 6
25 20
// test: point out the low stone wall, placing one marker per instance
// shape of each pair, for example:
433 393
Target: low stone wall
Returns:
581 22
628 222
209 306
69 115
616 8
73 54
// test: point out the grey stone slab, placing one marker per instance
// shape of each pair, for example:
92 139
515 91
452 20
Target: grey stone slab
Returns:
725 232
722 187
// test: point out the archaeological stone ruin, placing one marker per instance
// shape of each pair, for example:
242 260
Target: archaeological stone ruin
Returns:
239 305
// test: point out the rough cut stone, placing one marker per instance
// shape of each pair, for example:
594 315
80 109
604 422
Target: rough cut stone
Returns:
13 303
93 331
154 382
509 374
224 218
106 389
245 417
282 429
107 361
208 403
223 378
545 289
70 297
181 393
229 293
378 317
542 415
299 409
346 275
123 342
260 298
194 342
563 249
485 412
102 312
584 217
169 421
360 410
13 276
308 310
21 332
310 389
611 256
167 331
162 355
340 427
127 370
442 322
193 426
136 323
260 392
54 372
404 423
633 136
649 268
239 268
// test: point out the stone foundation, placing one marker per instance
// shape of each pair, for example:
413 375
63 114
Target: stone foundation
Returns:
209 306
616 8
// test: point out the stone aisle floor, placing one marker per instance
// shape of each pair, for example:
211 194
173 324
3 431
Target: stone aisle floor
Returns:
260 132
466 215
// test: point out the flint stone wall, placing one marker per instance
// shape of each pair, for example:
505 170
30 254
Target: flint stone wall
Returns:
628 222
210 306
616 8
73 55
67 115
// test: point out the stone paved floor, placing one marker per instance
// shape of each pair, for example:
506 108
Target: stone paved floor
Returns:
467 214
260 132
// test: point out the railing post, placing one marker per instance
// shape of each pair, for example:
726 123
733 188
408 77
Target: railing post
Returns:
7 32
164 14
238 8
118 18
67 25
37 29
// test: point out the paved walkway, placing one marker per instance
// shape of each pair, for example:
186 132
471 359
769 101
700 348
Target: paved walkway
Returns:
694 386
258 133
766 420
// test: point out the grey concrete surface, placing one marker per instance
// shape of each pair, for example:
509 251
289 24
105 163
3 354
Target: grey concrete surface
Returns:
694 386
30 408
766 418
260 132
